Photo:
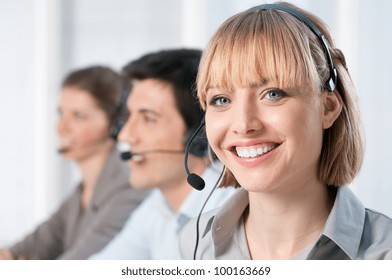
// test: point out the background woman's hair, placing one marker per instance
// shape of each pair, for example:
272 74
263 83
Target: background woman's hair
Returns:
105 85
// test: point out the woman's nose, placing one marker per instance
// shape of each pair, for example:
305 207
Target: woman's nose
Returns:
247 119
62 125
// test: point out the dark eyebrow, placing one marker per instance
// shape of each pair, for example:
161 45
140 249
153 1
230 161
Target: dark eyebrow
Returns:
149 111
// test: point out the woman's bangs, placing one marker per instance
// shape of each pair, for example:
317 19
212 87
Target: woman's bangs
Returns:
249 59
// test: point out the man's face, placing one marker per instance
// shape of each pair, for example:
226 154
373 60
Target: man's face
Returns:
154 124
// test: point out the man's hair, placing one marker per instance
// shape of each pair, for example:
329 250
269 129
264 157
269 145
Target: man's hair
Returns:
178 68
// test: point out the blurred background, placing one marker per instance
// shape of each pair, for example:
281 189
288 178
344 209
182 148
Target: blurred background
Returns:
42 40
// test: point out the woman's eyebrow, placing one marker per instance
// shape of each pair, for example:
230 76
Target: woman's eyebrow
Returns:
259 83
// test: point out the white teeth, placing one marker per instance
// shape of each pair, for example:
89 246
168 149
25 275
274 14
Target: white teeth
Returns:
245 153
253 152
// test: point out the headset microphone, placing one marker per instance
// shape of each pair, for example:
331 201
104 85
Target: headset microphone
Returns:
131 156
63 150
83 145
193 179
126 154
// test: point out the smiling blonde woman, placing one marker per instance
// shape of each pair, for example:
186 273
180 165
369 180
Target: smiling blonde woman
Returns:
282 116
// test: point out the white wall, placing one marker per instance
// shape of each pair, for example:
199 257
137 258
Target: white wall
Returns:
41 40
374 86
29 63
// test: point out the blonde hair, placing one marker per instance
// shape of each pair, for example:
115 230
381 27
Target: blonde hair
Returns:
269 44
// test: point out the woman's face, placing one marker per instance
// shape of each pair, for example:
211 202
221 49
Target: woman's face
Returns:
83 127
269 138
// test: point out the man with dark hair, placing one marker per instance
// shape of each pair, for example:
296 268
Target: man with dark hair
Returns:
163 113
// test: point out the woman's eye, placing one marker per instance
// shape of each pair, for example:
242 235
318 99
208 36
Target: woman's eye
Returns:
80 116
275 94
219 101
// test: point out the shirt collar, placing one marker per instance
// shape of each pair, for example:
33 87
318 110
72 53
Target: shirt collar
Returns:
346 221
227 219
344 225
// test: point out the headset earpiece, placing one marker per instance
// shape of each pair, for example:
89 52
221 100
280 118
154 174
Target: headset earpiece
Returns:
199 145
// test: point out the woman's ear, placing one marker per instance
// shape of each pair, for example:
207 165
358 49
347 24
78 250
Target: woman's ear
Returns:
332 107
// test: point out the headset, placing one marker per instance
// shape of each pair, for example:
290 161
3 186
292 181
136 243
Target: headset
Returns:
195 180
199 147
122 111
331 82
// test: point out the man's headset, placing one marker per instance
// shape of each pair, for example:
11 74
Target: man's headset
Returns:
199 147
195 180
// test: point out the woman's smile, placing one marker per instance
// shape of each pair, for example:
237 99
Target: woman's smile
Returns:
252 156
254 151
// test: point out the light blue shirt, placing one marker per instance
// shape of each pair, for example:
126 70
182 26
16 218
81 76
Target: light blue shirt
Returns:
153 230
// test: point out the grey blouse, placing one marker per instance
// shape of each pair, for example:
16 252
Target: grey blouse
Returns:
76 233
351 232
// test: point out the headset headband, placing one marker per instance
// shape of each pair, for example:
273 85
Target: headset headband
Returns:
330 84
121 110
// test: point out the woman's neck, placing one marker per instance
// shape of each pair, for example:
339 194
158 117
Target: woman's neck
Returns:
281 226
91 168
